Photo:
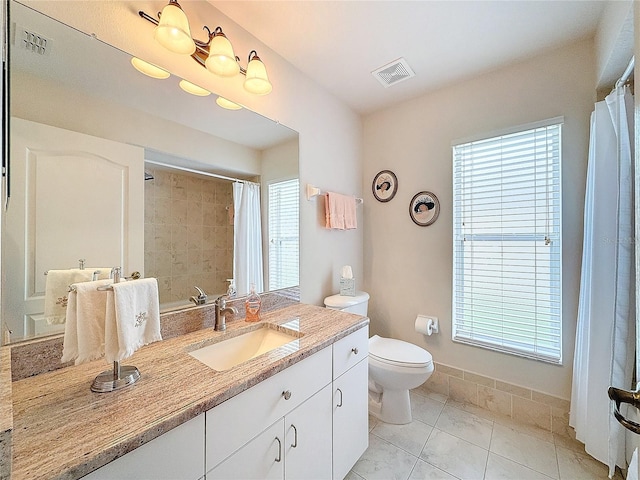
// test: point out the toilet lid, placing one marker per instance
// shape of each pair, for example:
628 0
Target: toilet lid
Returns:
397 352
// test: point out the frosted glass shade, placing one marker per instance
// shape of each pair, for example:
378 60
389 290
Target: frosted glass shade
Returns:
173 31
257 81
149 69
221 60
193 89
228 104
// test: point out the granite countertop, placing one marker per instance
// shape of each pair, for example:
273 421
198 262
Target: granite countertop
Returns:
62 430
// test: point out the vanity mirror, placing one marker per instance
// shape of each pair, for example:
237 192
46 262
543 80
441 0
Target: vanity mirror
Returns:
86 129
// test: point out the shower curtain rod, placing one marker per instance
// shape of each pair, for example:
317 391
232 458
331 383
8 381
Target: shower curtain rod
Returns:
200 172
627 73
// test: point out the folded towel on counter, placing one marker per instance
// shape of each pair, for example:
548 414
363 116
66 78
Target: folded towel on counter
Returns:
132 319
85 326
57 289
340 211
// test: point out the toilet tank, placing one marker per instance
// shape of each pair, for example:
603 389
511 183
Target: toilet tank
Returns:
356 304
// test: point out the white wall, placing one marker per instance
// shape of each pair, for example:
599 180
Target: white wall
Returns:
330 133
408 268
613 42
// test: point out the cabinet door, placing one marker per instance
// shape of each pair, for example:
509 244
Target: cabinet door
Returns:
261 458
308 439
350 418
179 453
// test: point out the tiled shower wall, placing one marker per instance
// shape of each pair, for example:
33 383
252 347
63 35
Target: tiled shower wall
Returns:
188 234
522 404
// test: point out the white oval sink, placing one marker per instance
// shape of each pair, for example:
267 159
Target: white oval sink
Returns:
228 353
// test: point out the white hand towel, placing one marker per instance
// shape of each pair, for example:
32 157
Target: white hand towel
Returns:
57 288
133 318
70 342
86 312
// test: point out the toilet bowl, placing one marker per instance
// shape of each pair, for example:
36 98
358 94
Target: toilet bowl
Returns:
395 367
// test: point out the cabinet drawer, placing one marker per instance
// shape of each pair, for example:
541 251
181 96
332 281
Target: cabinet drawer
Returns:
235 422
344 351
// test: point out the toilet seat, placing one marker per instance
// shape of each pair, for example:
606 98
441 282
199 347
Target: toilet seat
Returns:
398 353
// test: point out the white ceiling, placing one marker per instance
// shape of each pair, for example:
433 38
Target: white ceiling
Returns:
339 43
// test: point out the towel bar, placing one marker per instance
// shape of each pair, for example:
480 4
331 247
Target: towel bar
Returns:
313 191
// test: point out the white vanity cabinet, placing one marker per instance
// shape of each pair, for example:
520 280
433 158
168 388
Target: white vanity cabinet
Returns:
236 429
296 447
350 401
179 453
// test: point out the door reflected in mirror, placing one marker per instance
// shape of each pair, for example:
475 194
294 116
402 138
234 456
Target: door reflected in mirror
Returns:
185 234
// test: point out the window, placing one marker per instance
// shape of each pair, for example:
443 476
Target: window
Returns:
284 243
507 246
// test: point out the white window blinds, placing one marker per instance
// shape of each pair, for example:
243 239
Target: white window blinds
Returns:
284 250
507 251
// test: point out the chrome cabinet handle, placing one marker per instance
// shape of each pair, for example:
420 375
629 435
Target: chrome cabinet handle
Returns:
340 404
279 457
623 396
355 350
295 436
286 395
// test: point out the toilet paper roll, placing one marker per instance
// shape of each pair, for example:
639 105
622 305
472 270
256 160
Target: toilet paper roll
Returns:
424 325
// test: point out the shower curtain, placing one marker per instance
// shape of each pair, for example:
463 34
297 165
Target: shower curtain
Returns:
605 336
247 238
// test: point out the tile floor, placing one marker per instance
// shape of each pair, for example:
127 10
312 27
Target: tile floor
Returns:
448 440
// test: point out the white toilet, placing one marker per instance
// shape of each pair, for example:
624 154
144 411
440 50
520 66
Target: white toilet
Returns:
395 366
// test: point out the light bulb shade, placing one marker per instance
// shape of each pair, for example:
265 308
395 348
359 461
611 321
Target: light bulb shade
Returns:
257 81
221 60
228 104
193 89
173 31
149 69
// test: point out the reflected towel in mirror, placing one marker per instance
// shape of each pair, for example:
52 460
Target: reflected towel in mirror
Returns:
132 319
57 287
84 328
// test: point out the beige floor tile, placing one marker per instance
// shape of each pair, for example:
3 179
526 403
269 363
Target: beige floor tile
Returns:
425 409
466 426
410 437
384 461
500 468
455 456
525 449
373 421
575 465
426 471
353 476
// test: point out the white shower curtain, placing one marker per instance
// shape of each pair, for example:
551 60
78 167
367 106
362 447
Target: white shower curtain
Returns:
247 238
605 336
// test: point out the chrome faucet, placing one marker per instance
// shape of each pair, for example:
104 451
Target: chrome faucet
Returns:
201 299
221 311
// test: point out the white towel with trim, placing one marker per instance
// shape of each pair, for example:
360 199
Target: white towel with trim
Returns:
85 326
57 288
132 319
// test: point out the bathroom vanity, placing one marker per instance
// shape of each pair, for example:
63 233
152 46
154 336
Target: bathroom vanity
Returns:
297 411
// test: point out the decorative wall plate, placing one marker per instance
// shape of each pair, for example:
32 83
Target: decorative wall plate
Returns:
424 208
384 186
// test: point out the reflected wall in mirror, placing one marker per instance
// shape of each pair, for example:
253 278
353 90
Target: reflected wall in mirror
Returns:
177 227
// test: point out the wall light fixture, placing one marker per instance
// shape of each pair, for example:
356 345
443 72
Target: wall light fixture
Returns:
216 54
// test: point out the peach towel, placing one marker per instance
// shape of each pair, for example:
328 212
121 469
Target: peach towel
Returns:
340 211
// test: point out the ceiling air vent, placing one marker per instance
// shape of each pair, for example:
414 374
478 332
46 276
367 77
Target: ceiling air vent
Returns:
394 72
31 41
